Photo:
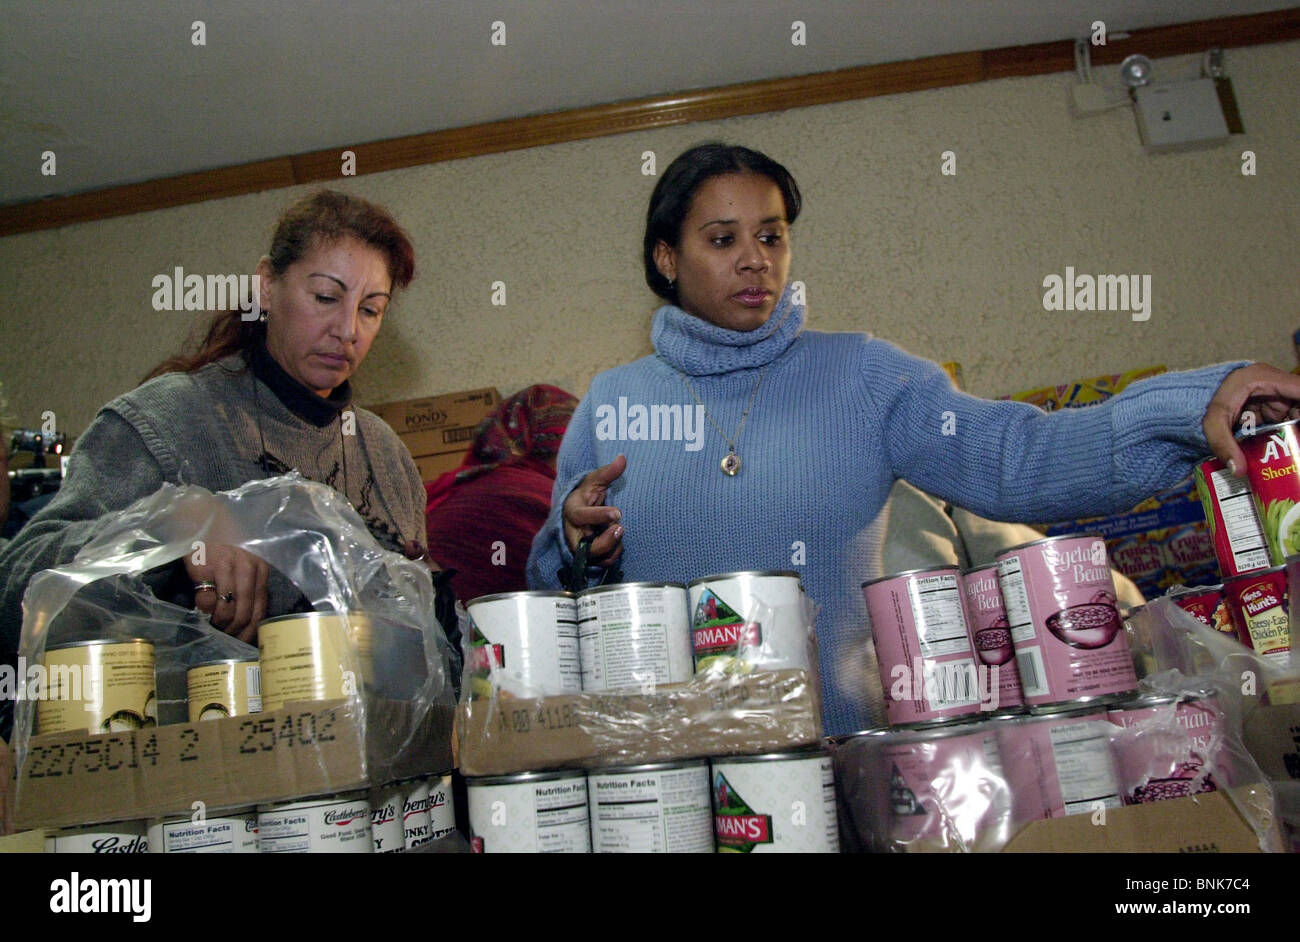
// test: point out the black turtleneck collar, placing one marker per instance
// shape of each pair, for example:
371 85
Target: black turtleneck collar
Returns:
297 398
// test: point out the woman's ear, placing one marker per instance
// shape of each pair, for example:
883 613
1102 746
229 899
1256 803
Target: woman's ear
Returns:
265 276
666 260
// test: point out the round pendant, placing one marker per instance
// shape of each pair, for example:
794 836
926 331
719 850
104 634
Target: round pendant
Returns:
731 464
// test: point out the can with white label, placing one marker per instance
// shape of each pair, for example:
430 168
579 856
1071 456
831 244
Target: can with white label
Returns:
990 635
923 646
442 807
306 657
525 642
325 824
529 813
387 833
1233 520
415 812
634 634
1174 747
1071 648
659 808
782 802
1059 764
230 832
104 686
220 689
118 837
745 621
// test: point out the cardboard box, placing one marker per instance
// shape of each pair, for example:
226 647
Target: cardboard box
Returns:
439 425
304 749
709 716
1083 392
433 467
1272 736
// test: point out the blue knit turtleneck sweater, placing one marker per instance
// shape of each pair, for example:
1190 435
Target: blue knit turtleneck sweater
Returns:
836 419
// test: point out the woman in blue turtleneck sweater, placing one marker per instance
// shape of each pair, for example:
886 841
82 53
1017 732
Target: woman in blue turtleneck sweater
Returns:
792 438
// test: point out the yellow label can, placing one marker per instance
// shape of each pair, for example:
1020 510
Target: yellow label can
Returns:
103 686
220 689
309 657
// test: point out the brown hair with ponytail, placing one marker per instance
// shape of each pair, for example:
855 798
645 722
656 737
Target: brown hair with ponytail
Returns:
322 217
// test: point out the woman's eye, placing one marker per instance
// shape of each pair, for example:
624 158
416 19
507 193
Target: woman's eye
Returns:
373 312
325 299
770 238
721 240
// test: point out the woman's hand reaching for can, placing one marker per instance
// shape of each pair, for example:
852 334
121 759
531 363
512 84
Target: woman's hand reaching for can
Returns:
586 514
1269 393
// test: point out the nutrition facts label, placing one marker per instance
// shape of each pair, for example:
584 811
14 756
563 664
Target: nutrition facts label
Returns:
1084 766
652 812
620 647
562 825
1016 600
1240 521
325 828
210 837
939 616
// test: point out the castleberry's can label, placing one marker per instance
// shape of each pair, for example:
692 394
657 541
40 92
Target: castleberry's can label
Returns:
313 656
1233 519
745 621
1061 603
221 689
529 813
524 642
990 633
662 808
98 686
231 832
923 645
1273 469
781 802
1258 603
1207 605
634 634
120 837
1175 748
416 826
1060 764
442 807
326 824
387 833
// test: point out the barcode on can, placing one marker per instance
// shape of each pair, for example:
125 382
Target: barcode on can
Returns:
1033 679
950 684
253 677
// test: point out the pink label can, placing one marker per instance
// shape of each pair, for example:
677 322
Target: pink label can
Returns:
918 627
1171 747
1070 644
990 634
1059 765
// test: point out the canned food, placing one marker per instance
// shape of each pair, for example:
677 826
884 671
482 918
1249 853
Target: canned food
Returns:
306 657
1059 765
416 827
634 634
119 837
101 686
1175 749
387 832
1060 600
442 806
990 633
923 646
528 813
782 802
1207 605
527 641
325 824
744 621
661 808
1233 519
220 689
1273 469
231 832
1258 603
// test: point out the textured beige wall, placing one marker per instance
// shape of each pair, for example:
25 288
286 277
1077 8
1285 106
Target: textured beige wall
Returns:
948 267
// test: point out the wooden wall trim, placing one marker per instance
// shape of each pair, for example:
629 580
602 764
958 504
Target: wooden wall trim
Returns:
643 114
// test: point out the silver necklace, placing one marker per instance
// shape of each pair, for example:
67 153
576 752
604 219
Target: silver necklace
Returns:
731 463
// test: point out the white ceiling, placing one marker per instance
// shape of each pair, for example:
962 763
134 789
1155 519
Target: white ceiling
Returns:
119 92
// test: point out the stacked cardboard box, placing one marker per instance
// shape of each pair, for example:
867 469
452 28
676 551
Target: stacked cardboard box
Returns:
438 430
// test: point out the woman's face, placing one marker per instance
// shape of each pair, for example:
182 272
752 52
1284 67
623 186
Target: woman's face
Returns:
325 310
733 256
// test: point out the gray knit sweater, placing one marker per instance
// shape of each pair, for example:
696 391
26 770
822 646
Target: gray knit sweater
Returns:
203 428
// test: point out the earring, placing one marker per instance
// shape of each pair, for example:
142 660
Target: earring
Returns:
263 316
670 284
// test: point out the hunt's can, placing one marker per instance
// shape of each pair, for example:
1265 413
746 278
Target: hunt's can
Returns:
524 642
1059 764
230 832
313 656
325 824
101 686
990 634
1273 469
1206 604
1174 747
220 689
634 634
529 813
745 621
119 837
782 802
1071 648
416 825
918 627
1258 603
1233 519
442 806
660 808
387 833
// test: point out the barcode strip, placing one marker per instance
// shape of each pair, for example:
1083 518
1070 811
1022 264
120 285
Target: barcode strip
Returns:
253 673
1030 663
953 683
